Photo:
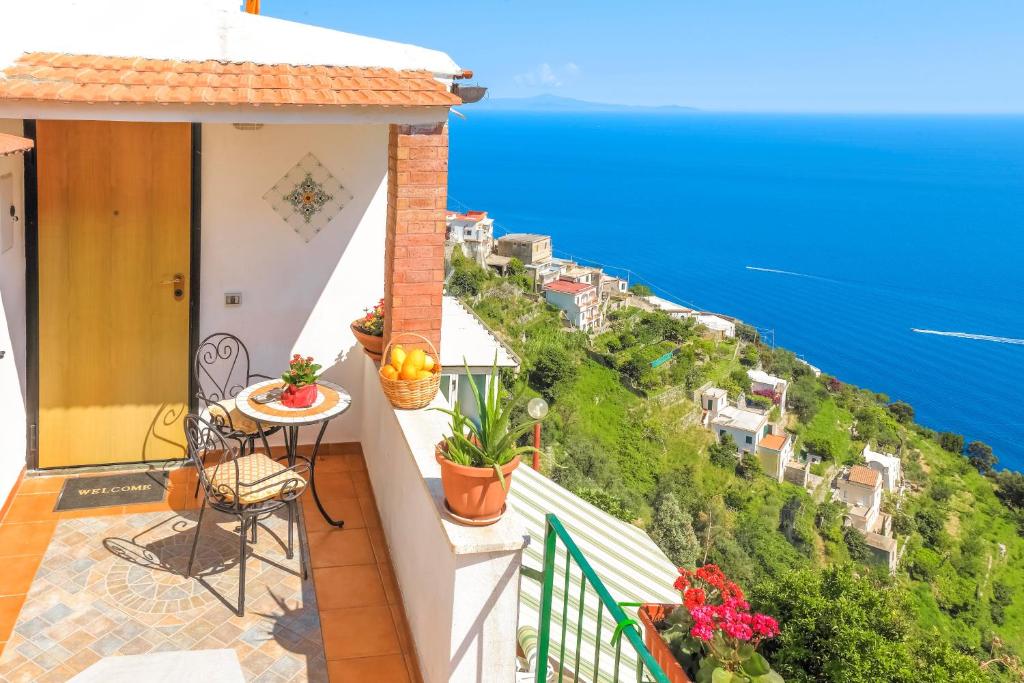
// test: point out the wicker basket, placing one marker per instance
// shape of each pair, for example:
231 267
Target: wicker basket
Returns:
411 394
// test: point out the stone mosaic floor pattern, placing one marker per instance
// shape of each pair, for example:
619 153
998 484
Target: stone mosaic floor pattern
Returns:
116 586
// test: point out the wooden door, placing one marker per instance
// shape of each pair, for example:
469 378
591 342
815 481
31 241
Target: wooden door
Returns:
114 257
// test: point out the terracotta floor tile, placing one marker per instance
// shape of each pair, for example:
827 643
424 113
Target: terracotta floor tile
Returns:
340 548
387 578
334 485
361 480
41 484
18 573
354 462
358 632
9 608
30 538
330 464
346 509
383 669
401 628
35 507
369 509
354 586
379 544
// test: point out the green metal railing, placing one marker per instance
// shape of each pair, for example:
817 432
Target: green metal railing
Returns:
615 627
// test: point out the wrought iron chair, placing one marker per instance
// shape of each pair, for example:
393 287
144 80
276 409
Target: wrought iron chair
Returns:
221 370
251 487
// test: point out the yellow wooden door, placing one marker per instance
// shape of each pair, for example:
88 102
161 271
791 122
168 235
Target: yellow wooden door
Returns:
114 214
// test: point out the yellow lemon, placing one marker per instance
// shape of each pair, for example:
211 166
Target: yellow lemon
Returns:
389 372
417 357
428 362
397 357
424 374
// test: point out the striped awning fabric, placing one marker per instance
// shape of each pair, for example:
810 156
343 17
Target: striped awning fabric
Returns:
629 563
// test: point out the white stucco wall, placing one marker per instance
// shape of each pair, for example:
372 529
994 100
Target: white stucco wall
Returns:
459 585
12 328
297 297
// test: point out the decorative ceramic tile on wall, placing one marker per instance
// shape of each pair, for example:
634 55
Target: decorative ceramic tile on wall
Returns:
308 197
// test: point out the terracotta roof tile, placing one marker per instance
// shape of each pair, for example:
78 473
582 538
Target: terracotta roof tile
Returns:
12 144
773 441
93 78
864 476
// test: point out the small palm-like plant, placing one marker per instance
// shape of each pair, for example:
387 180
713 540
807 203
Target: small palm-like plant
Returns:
490 440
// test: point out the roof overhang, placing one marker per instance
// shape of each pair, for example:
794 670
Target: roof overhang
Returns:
204 60
12 144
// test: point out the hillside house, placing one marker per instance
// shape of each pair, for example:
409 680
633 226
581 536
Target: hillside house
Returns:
669 307
573 272
860 488
718 327
770 386
473 232
888 466
578 301
529 248
775 451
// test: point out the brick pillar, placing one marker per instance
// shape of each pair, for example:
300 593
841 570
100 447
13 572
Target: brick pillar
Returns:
414 243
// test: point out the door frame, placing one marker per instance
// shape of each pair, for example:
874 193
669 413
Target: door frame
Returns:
31 181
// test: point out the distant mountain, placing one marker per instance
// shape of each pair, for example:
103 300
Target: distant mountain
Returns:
554 103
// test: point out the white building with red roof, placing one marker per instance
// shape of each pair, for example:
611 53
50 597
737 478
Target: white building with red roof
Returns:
579 302
471 231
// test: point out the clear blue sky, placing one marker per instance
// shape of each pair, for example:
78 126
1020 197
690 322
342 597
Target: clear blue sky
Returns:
738 55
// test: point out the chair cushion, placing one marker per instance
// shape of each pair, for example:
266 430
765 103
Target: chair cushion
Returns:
223 409
252 468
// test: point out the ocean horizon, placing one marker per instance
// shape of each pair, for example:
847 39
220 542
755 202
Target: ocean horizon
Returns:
883 249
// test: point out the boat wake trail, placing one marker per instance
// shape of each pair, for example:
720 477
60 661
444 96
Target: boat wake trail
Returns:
968 335
790 273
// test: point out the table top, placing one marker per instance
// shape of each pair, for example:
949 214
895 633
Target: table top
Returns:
330 402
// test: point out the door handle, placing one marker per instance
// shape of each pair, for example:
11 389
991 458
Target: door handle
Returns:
178 282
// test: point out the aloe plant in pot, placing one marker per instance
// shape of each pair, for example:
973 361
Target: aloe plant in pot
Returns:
478 459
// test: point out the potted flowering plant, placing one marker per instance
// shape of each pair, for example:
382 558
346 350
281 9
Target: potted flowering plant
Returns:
369 330
713 636
300 382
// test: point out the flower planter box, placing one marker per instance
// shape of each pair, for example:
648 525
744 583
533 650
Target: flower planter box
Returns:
650 614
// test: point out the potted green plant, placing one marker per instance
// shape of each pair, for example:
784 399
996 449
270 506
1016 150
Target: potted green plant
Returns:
300 382
478 459
713 636
369 330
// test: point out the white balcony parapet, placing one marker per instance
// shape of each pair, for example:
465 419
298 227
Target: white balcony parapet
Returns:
460 585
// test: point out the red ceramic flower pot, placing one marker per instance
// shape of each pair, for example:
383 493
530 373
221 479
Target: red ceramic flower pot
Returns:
649 614
301 397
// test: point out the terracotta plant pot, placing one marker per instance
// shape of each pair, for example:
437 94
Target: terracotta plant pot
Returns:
474 494
372 346
650 614
301 397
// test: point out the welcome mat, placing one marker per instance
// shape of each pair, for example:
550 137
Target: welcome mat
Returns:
111 490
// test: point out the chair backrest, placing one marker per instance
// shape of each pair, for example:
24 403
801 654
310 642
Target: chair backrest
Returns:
206 440
221 367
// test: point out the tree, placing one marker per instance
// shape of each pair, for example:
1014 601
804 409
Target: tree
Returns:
748 466
723 453
952 442
672 530
1011 489
842 627
981 456
902 411
748 333
463 283
552 365
750 356
855 543
606 500
641 290
930 521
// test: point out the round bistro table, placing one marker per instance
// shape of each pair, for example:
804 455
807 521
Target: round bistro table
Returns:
331 401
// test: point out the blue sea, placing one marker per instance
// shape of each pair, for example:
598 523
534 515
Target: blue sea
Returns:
838 236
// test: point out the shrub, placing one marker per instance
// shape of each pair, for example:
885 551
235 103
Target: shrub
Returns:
902 411
723 453
748 466
855 543
672 530
981 456
553 365
607 501
641 290
952 442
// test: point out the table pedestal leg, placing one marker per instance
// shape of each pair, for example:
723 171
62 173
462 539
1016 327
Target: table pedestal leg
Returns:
312 480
